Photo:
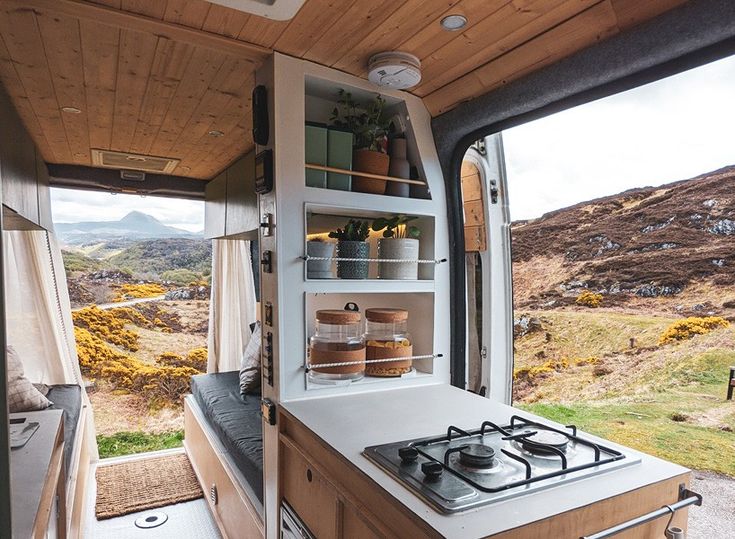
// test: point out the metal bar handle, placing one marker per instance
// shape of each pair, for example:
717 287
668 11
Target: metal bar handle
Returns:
381 260
686 498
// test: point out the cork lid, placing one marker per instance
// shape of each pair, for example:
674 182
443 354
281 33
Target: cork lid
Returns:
335 316
386 316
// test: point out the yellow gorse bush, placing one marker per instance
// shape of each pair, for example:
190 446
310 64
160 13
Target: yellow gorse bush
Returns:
135 291
529 373
196 359
687 328
589 299
107 325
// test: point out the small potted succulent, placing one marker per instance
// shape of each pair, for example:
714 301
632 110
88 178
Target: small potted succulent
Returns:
400 241
370 126
318 248
351 243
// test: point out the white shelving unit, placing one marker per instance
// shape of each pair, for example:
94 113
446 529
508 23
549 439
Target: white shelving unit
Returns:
307 92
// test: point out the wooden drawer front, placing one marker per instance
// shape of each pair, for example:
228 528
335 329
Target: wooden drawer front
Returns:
354 525
231 509
309 494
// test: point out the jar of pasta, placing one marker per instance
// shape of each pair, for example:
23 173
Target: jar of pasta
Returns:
387 337
337 339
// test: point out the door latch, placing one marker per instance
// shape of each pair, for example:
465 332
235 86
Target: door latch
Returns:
494 192
266 261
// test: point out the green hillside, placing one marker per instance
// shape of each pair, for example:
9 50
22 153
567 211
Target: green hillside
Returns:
158 256
667 400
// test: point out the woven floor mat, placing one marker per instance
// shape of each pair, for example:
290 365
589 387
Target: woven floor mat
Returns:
142 484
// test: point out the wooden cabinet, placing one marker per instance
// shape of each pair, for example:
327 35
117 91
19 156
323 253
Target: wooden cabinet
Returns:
231 207
232 510
310 494
23 174
334 499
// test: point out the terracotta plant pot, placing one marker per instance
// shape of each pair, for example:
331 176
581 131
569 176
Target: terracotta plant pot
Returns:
374 163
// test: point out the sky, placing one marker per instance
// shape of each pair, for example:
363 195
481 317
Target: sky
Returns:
669 130
72 206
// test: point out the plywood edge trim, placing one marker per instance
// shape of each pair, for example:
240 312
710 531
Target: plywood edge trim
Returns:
140 23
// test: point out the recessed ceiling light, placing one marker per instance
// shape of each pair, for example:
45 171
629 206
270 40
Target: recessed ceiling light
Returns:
185 169
215 133
454 22
71 110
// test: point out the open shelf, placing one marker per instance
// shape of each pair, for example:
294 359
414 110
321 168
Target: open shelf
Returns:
329 164
420 307
320 220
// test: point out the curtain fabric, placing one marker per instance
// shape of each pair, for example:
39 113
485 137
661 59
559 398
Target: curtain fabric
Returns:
233 305
38 313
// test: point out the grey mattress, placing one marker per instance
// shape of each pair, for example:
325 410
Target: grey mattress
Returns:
67 397
236 420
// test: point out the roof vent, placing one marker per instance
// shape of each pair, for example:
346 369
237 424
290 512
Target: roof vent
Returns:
279 10
146 163
399 70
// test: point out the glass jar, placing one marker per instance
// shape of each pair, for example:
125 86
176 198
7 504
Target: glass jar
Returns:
387 336
338 338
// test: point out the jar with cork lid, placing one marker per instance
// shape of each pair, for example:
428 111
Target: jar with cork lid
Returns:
386 337
337 339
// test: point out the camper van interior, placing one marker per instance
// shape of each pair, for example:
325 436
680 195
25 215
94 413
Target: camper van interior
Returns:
355 145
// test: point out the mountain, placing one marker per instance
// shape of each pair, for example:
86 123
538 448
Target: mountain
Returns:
134 226
669 242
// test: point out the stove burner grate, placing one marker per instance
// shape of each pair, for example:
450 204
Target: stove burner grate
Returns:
545 442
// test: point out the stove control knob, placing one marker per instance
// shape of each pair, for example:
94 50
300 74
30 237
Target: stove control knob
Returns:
432 470
408 454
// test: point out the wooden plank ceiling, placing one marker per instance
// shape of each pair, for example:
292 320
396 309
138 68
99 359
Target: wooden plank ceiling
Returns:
155 77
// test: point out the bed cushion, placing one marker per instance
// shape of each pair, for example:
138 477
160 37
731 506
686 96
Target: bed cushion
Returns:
22 395
236 420
67 397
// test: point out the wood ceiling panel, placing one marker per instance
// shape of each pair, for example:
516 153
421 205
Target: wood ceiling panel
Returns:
200 71
167 71
100 79
224 21
137 51
407 20
591 26
190 13
154 77
23 41
15 90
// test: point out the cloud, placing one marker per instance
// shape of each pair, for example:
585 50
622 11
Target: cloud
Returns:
71 205
669 130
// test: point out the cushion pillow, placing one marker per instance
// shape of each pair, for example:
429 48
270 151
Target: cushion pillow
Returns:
250 363
22 396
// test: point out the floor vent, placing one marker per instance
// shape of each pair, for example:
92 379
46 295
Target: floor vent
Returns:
147 163
151 520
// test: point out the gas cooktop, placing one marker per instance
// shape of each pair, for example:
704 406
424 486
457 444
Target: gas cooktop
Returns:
466 469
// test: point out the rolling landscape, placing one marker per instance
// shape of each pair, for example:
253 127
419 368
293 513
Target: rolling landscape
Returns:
140 297
624 311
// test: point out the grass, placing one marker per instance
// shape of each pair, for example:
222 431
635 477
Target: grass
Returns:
648 427
128 443
667 401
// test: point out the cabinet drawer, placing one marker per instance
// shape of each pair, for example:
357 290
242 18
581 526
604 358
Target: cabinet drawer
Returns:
233 512
310 495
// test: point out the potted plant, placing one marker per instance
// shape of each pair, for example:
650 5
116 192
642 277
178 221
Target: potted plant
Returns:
319 269
351 244
370 126
400 241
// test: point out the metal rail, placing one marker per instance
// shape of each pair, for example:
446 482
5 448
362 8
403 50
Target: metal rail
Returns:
686 498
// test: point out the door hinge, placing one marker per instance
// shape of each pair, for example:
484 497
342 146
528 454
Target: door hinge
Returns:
480 146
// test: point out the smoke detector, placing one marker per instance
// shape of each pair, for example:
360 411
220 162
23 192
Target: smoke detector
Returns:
394 69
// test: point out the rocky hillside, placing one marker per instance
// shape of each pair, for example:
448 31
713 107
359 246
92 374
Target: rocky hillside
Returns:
674 241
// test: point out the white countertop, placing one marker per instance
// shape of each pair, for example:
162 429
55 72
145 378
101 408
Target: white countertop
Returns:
401 414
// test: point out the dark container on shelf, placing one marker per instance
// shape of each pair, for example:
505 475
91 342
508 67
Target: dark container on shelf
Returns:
357 269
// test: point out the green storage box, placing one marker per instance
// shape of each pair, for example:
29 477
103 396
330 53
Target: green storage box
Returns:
315 148
339 155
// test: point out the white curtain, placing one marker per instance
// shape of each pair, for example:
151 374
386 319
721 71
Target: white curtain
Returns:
38 313
232 307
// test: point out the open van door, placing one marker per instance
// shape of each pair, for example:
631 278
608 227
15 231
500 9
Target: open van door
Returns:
489 271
